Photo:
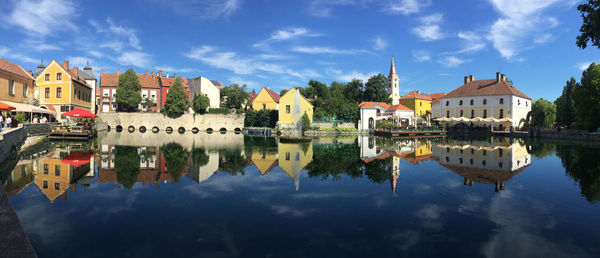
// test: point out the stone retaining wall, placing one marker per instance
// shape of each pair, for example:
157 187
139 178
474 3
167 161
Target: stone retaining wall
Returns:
330 125
11 141
569 135
188 121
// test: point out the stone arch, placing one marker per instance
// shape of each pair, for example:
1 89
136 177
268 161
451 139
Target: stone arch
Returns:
131 129
181 130
237 130
119 128
169 129
155 129
142 129
108 128
209 130
195 130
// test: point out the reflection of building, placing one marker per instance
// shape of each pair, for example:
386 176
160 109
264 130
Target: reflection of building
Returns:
55 174
293 158
149 165
483 163
370 112
202 173
263 160
20 177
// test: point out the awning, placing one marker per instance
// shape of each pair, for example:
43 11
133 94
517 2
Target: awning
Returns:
6 107
22 107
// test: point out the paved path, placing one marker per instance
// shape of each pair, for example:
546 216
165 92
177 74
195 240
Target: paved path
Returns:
13 240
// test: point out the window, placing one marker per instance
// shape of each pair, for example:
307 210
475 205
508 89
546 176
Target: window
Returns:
447 159
460 103
59 76
47 93
499 164
59 92
105 92
64 109
25 90
57 170
472 151
264 106
471 161
500 153
471 102
484 152
78 94
484 101
420 104
11 87
501 101
483 163
45 184
114 105
447 103
518 102
501 113
472 113
287 156
461 151
526 103
46 168
287 109
46 77
460 160
447 149
447 113
485 113
56 186
297 156
461 113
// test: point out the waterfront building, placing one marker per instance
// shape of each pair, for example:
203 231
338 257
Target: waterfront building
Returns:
202 86
90 78
150 89
165 86
393 85
63 88
266 99
149 165
55 173
293 158
496 98
370 112
293 107
420 102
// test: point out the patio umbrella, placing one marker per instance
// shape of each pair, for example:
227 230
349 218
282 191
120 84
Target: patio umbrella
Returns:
442 119
77 158
6 107
78 112
477 119
506 119
491 120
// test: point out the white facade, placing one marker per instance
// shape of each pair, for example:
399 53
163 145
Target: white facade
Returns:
498 106
501 158
368 117
204 86
393 88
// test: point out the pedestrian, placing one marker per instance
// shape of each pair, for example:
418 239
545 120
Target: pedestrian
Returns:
1 122
44 120
8 122
35 120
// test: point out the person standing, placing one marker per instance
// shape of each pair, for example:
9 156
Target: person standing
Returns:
35 120
8 122
1 122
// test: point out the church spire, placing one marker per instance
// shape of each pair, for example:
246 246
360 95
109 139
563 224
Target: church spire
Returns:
392 70
393 84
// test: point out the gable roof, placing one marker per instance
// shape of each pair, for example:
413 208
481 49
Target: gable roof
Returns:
485 88
293 91
436 96
274 95
14 69
251 97
416 95
374 105
167 82
399 107
74 73
112 79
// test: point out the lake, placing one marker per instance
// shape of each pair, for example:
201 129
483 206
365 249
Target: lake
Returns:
231 195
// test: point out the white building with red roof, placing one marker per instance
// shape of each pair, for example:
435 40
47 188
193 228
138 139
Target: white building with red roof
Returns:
370 112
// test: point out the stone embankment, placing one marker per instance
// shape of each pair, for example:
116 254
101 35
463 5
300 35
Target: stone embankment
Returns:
574 135
12 141
155 122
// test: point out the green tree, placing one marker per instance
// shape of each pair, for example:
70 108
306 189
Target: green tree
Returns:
283 92
545 112
176 160
348 112
586 99
590 29
129 93
305 122
354 91
127 165
376 89
149 103
232 161
201 102
234 96
565 113
199 157
177 100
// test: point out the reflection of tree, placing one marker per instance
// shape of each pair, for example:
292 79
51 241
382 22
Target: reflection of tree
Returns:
265 144
199 157
176 159
583 165
232 161
542 149
378 170
127 165
331 160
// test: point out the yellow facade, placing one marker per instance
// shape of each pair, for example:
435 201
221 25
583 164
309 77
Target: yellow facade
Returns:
423 149
293 157
264 100
420 106
53 178
287 111
62 91
264 161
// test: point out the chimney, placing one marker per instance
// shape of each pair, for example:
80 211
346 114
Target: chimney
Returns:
174 75
159 73
101 70
118 72
497 76
466 79
76 71
66 65
471 78
146 72
503 77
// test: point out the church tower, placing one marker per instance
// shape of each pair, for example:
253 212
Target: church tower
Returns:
393 85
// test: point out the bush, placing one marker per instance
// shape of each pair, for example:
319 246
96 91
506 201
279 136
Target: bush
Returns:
349 129
218 111
305 122
261 118
20 118
325 129
201 102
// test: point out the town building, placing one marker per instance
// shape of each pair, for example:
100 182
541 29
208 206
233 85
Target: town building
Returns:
370 112
90 78
56 172
266 99
62 88
293 107
165 86
151 89
419 102
493 98
393 85
202 86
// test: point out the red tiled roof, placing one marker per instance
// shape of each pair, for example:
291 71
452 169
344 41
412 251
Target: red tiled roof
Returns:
371 105
485 88
398 107
435 101
169 81
416 95
274 95
14 69
436 96
112 79
251 98
74 73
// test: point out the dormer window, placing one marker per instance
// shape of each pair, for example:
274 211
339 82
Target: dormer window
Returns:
471 102
484 101
460 103
501 101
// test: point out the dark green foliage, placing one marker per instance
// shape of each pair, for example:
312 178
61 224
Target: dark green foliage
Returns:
199 157
261 118
354 91
20 118
565 113
283 92
232 161
583 165
127 165
177 100
586 99
345 161
176 160
543 149
305 122
223 111
545 112
234 96
590 29
376 89
201 102
129 93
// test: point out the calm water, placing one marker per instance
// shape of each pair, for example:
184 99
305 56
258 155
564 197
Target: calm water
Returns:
228 195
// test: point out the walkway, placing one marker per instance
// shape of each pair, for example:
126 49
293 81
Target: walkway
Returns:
13 240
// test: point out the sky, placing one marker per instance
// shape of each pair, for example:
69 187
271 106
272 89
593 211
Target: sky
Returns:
286 43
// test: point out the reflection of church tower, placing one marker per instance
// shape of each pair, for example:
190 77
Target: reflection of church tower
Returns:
393 85
394 173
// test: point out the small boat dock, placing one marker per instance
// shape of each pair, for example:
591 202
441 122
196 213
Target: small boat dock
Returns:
71 132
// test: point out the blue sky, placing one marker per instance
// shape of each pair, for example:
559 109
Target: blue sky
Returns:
284 43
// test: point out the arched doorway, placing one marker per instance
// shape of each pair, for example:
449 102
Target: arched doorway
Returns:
371 123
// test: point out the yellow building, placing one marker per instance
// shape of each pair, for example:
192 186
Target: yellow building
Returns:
266 99
16 83
418 102
264 161
293 157
290 113
62 89
54 176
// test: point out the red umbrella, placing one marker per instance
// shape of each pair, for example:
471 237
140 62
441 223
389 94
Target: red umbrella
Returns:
78 158
78 112
6 107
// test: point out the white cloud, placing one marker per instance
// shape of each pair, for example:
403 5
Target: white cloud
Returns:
327 50
471 43
406 6
119 30
78 61
285 34
176 69
341 76
421 55
583 66
324 8
40 45
134 58
379 43
429 28
117 46
95 53
241 81
452 61
43 18
9 54
519 22
205 9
